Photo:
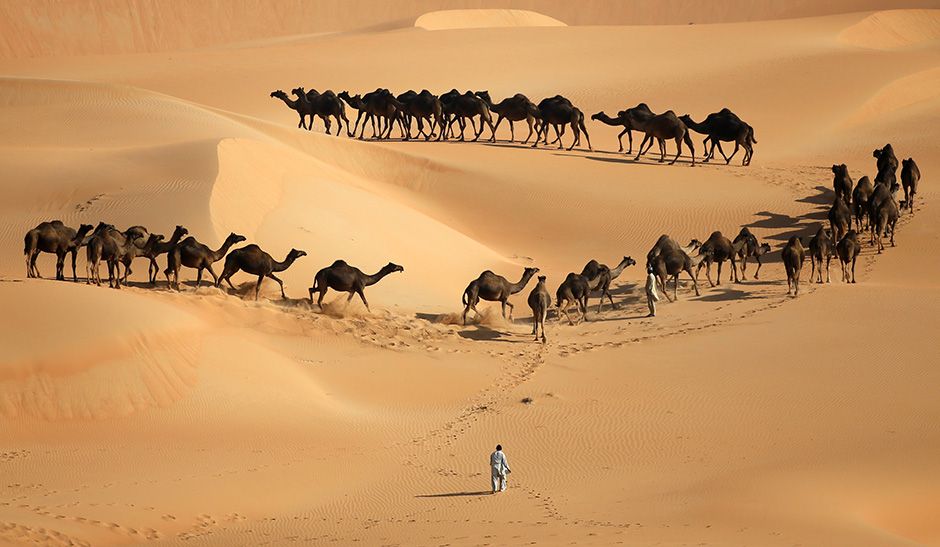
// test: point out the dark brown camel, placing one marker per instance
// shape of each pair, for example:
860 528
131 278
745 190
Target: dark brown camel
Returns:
324 105
381 105
252 260
143 251
421 107
342 277
910 178
821 251
539 301
746 244
887 164
354 101
879 196
640 111
793 256
573 290
886 217
860 197
724 126
840 218
192 254
493 288
110 245
293 105
668 259
600 276
848 249
56 238
514 109
558 111
467 107
662 127
717 248
160 248
842 183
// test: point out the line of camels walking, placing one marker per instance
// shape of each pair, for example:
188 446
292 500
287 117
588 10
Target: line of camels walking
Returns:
439 117
873 206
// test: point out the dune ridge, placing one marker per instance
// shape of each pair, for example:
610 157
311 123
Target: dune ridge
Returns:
484 18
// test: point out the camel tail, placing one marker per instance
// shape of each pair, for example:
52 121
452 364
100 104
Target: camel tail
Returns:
464 298
750 134
26 242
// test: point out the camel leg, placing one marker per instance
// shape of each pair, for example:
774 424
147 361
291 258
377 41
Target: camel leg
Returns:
279 282
694 282
630 140
511 308
639 151
59 266
719 273
74 256
198 277
512 131
215 278
678 150
564 310
531 122
320 298
708 273
258 287
853 268
620 139
731 157
828 279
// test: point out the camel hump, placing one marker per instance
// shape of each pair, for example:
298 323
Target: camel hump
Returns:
338 264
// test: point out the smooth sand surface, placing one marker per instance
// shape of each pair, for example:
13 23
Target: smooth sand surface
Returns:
738 417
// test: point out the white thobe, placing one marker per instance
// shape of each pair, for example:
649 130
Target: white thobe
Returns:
499 469
651 296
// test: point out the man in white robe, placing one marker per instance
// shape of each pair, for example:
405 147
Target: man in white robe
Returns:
651 296
499 469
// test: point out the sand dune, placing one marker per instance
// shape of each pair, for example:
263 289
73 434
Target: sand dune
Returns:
895 29
484 18
738 417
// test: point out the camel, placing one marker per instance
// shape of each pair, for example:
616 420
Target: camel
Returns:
192 254
354 101
661 127
513 109
887 164
468 106
539 301
324 105
860 197
110 245
342 277
293 105
493 288
147 248
745 244
879 196
717 248
886 218
641 111
381 105
793 257
842 183
840 218
573 290
848 249
252 260
600 276
559 111
821 251
668 259
422 107
724 126
160 248
56 238
910 177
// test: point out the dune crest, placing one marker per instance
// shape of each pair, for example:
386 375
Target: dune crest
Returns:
895 29
484 18
918 88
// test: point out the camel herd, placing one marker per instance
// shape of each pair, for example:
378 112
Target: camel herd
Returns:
874 207
855 207
119 248
439 117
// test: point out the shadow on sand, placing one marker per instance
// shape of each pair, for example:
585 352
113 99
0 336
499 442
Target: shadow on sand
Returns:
456 494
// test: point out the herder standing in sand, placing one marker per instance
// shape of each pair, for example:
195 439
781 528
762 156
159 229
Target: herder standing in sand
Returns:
651 295
499 469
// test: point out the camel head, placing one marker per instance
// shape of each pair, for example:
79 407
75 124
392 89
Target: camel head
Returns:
485 95
686 119
907 163
234 238
85 228
531 271
895 187
840 169
628 261
542 279
763 249
294 254
694 244
278 93
391 267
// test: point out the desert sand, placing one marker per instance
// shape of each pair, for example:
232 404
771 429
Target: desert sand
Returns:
740 417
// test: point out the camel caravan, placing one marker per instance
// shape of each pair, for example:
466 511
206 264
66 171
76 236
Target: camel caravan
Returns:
440 118
856 207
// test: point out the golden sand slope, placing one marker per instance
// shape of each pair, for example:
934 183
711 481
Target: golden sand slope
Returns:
740 417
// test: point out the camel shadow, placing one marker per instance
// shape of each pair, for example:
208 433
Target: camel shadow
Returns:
485 334
723 294
456 494
685 160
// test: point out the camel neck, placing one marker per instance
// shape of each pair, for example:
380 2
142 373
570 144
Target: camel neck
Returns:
522 283
376 277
